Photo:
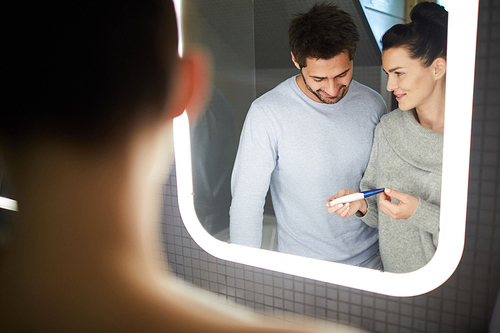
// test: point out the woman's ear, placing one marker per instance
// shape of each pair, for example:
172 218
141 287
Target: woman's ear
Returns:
439 65
190 86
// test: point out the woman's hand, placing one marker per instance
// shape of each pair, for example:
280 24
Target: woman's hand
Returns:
346 209
403 210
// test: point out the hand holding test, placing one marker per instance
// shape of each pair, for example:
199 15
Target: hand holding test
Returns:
355 196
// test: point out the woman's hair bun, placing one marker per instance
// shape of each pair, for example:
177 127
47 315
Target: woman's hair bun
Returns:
428 13
425 36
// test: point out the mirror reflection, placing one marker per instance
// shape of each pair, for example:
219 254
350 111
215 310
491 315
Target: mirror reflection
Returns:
318 154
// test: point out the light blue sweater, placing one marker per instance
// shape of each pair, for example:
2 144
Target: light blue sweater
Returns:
305 151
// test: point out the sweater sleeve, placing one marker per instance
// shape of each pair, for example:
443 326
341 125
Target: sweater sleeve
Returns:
254 164
426 218
368 182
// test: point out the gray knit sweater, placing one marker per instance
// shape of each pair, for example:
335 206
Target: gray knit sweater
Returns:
406 157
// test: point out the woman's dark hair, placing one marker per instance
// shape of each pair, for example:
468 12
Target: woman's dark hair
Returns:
85 70
425 36
324 32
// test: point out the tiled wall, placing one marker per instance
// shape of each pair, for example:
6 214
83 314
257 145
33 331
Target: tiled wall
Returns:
462 304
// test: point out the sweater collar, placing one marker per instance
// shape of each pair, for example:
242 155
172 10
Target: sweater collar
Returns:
414 143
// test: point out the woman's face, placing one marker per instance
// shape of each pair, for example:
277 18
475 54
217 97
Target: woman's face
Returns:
413 84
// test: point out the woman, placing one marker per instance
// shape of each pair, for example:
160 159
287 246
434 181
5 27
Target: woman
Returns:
86 138
406 155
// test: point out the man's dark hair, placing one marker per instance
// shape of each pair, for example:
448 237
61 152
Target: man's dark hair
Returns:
323 32
425 36
84 70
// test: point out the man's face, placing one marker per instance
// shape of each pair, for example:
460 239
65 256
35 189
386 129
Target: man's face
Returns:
326 80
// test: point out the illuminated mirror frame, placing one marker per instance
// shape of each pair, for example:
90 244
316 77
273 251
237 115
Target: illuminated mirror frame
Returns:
462 31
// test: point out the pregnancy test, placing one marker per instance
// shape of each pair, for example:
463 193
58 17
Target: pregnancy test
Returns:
355 196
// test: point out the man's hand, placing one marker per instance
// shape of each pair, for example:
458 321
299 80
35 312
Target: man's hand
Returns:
403 210
346 209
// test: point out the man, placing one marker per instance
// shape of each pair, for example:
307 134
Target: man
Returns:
93 87
307 137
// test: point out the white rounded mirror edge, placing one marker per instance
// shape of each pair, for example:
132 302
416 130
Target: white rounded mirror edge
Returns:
462 34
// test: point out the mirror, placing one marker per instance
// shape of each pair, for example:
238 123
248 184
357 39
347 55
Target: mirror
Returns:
460 79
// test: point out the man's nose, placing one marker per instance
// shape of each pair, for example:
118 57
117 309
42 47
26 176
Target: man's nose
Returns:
331 88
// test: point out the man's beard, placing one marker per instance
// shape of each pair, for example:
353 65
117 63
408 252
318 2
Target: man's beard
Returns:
328 100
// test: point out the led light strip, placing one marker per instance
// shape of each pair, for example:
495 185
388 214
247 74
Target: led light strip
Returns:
8 204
